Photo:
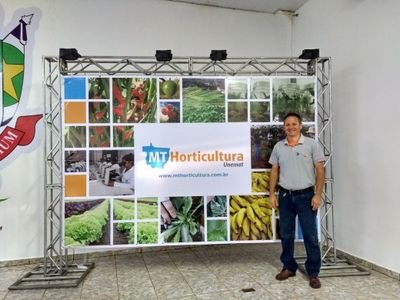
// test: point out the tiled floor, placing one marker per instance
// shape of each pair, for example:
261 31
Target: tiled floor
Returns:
204 272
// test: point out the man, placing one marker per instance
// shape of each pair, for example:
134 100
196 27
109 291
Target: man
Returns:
128 173
298 163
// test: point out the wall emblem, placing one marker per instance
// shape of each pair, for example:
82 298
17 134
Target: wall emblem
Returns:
12 71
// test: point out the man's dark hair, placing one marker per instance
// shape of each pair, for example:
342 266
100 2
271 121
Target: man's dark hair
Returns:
292 114
129 157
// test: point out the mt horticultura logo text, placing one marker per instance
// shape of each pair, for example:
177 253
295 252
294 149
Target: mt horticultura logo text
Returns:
157 157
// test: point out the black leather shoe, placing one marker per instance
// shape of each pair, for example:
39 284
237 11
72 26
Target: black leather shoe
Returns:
284 274
315 283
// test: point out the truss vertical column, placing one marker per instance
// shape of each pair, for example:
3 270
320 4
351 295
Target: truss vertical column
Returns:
54 258
324 119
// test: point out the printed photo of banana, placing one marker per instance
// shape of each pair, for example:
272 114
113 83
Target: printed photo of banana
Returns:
250 217
259 182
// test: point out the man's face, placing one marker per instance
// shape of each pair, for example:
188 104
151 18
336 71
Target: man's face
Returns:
292 127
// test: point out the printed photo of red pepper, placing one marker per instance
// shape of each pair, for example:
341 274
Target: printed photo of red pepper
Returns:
99 136
123 136
134 100
99 112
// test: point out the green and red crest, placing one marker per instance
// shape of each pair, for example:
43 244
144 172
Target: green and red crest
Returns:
12 71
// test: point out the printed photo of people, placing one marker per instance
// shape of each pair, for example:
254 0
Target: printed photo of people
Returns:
112 172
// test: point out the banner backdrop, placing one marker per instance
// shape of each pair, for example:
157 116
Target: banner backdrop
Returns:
213 158
178 160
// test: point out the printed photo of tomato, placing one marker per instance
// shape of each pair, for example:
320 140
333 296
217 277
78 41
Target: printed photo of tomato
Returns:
99 112
169 88
170 112
134 100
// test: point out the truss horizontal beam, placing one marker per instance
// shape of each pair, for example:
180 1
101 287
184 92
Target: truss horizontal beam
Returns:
184 66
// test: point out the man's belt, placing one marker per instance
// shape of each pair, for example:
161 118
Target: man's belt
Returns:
298 192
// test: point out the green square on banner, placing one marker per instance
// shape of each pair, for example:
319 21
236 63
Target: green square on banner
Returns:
75 88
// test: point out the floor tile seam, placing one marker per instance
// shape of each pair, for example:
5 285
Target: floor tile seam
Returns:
183 277
208 267
150 277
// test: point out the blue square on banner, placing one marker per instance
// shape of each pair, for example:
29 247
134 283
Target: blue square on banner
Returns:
75 88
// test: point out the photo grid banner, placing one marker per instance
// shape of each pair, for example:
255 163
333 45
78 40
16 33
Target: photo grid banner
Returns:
174 160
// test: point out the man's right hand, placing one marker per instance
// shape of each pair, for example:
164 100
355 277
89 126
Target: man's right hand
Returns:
273 200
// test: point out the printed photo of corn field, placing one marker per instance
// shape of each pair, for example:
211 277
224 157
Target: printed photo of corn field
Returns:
203 100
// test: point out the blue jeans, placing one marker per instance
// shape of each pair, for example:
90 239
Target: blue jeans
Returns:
291 205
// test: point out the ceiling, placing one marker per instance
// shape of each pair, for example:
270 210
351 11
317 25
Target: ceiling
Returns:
265 6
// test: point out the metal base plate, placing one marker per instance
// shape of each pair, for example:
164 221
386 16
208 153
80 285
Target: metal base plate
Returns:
71 276
335 268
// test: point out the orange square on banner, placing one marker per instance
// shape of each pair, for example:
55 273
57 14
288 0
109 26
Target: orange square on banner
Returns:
74 112
75 185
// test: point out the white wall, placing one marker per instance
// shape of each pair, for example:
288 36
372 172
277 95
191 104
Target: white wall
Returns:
362 37
119 27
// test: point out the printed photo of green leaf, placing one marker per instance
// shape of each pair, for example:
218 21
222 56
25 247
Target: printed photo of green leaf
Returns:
86 223
203 100
260 88
123 231
75 136
147 208
188 225
237 112
99 88
216 231
216 206
294 95
134 100
147 233
237 88
260 111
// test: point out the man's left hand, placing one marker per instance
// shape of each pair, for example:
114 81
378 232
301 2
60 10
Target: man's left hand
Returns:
316 202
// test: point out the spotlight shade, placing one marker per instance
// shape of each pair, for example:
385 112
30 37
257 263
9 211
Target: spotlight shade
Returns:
218 55
309 54
69 54
163 55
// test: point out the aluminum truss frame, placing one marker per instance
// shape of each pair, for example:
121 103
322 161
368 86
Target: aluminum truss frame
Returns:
55 271
55 261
